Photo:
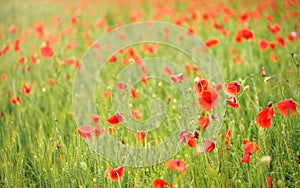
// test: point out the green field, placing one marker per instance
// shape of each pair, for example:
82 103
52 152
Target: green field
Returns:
39 141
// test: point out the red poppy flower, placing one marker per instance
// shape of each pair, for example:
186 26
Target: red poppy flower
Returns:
274 28
203 122
112 129
17 45
187 138
209 146
232 88
39 29
46 51
179 165
263 44
114 174
3 77
25 90
4 50
188 68
249 147
73 19
287 107
159 183
269 182
13 29
121 86
280 41
107 94
208 99
134 94
51 82
86 131
233 102
71 45
238 38
113 59
168 70
246 33
33 58
273 57
99 131
140 136
211 42
246 158
21 60
227 137
95 118
269 18
244 17
177 78
192 142
115 119
292 36
263 119
136 114
272 45
190 31
145 79
16 100
202 85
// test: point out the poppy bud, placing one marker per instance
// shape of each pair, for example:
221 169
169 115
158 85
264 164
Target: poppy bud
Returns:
263 72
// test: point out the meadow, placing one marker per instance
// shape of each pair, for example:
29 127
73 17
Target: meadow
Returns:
255 46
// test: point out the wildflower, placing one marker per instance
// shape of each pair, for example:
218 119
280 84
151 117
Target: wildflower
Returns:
249 148
159 183
263 119
269 182
287 107
86 131
136 114
203 122
95 118
113 59
46 51
274 28
208 99
114 174
140 136
209 146
263 72
233 102
232 88
134 94
177 78
292 36
16 100
227 137
263 44
187 138
21 60
51 82
107 94
121 86
280 41
201 85
179 165
115 119
25 90
211 42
